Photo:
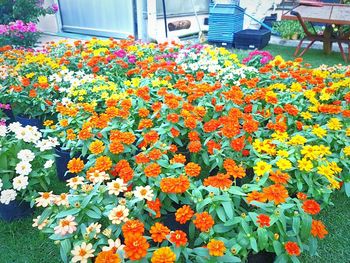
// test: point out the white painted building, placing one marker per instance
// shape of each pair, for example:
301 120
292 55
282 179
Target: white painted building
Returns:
141 18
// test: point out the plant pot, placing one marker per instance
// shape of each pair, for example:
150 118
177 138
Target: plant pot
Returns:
169 221
9 114
29 121
62 159
15 210
261 257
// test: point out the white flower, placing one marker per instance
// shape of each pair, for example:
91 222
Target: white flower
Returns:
20 182
1 184
39 226
48 164
66 226
82 253
23 168
116 186
26 155
62 199
14 126
94 227
113 244
45 199
97 176
118 214
75 182
144 192
3 130
66 101
7 196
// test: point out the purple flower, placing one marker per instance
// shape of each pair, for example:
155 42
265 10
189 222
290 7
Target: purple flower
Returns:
54 8
120 53
132 59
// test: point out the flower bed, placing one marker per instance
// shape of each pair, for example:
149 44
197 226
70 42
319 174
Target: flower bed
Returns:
180 152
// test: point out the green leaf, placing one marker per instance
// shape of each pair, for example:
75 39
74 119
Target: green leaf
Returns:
235 190
221 214
228 258
228 208
253 244
277 247
93 214
65 249
201 251
296 225
305 226
347 188
262 238
72 211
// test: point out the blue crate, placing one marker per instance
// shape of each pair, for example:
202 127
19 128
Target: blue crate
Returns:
224 21
252 38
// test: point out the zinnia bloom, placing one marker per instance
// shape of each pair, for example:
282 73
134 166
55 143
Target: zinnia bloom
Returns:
136 247
192 169
178 237
107 257
103 163
311 207
163 255
82 253
96 147
133 227
76 165
159 232
152 170
318 229
174 185
216 248
276 193
292 248
203 221
263 220
184 214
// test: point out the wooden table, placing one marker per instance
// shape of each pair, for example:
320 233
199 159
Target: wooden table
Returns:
329 14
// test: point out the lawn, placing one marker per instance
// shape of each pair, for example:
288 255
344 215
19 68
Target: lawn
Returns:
21 243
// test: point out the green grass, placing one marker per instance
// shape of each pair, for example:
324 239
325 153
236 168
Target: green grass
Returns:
314 56
21 243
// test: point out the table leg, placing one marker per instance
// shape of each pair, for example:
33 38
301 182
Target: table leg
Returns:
327 44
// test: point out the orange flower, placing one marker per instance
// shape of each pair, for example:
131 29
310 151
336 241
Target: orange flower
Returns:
178 237
256 196
212 145
103 163
107 257
145 123
133 227
76 165
238 144
175 185
292 248
85 134
141 158
159 232
178 158
192 169
221 181
301 196
318 229
155 154
311 207
183 214
203 221
276 193
32 93
216 248
163 255
155 206
263 220
143 112
96 147
279 178
152 170
194 146
136 247
116 147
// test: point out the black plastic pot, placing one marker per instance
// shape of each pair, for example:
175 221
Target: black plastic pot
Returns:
29 121
261 257
169 221
15 210
9 114
62 159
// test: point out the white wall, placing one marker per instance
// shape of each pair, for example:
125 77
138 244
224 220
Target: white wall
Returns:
49 23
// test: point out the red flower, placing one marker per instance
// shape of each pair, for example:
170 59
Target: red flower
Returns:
311 207
292 248
263 220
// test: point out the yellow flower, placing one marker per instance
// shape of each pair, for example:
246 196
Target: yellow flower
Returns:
297 140
283 153
296 87
319 132
323 150
42 80
334 124
310 152
284 164
346 150
306 115
262 168
325 170
30 75
305 165
347 132
280 136
334 166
